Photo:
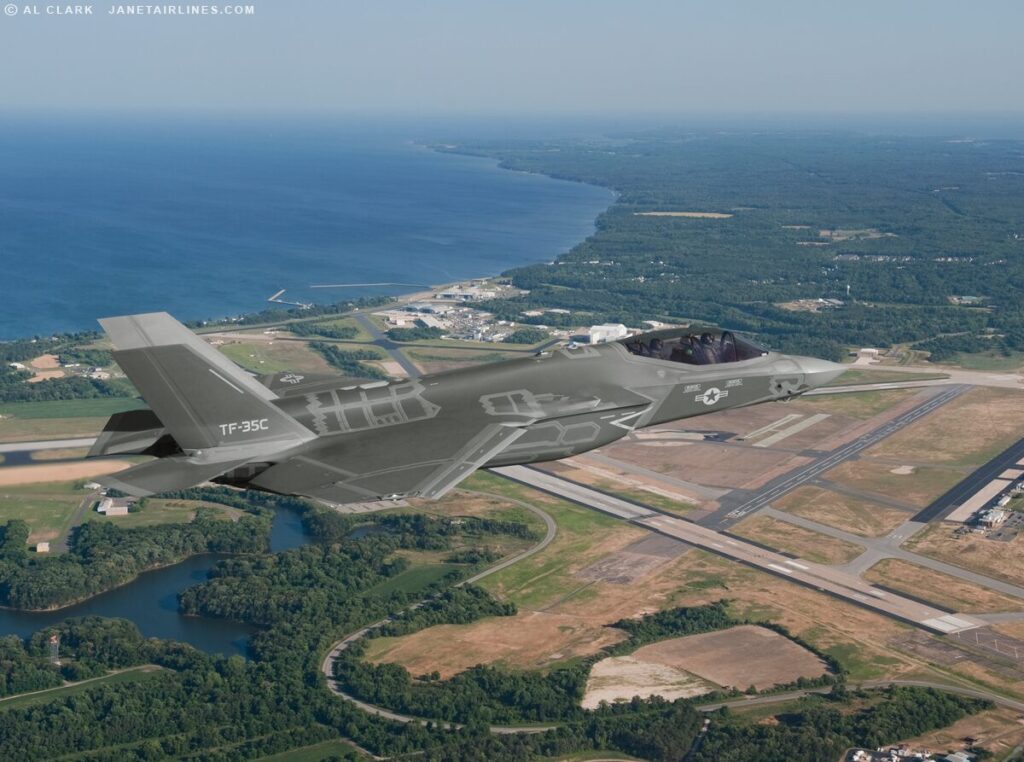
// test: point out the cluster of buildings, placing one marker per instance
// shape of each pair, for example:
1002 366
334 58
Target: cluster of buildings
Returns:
904 752
449 310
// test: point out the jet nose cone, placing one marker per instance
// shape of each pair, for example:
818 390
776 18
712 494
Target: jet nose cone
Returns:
820 372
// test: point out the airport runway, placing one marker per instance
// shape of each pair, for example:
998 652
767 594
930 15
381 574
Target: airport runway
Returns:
963 490
730 513
823 578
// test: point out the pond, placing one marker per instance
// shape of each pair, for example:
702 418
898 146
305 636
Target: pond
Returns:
151 601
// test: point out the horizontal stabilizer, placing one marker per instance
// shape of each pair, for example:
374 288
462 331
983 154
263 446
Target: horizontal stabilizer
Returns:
167 474
133 432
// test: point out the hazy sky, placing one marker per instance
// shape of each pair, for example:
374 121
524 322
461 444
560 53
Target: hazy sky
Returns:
556 56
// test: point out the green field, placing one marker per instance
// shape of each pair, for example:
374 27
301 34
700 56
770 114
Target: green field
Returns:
46 508
543 576
345 322
90 408
994 361
165 512
315 753
131 675
414 579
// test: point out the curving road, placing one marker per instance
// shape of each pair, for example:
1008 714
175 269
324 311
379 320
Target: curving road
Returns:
327 665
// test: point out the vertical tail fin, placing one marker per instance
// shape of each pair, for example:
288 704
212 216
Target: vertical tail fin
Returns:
203 399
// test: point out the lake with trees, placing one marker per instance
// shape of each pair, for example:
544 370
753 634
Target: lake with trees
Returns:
151 600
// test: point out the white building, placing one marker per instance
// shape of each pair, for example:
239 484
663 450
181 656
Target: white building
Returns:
42 547
607 332
108 506
466 294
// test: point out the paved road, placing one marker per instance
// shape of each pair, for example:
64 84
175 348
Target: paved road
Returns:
382 341
327 665
730 513
827 579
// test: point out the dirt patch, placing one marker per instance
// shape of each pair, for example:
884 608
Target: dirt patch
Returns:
59 472
966 432
841 511
737 657
530 639
799 541
44 375
620 678
941 589
902 470
45 362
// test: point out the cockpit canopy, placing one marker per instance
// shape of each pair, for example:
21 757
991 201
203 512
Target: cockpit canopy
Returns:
693 346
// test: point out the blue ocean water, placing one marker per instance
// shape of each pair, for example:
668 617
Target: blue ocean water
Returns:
207 219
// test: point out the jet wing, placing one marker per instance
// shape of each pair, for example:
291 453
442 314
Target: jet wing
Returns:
420 459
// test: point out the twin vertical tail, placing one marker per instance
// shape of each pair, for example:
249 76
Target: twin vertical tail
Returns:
218 415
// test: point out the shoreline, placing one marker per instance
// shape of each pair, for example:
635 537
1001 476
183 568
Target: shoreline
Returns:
398 298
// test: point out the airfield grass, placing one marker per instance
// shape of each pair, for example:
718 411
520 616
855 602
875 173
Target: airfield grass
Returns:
130 675
1001 560
35 429
69 453
941 589
841 511
799 541
653 499
866 376
275 357
346 322
918 488
88 408
859 405
993 361
967 432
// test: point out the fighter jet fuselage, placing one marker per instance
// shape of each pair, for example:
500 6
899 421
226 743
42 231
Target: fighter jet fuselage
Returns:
420 437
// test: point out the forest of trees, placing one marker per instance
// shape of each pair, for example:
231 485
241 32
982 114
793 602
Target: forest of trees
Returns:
916 221
415 333
526 336
102 556
351 362
215 708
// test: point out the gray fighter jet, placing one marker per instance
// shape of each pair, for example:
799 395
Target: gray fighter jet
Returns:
290 434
